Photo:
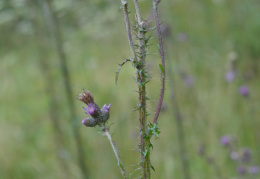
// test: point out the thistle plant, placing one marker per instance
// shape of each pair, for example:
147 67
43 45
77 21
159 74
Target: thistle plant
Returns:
139 52
99 116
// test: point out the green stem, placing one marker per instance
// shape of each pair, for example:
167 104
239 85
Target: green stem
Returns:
113 145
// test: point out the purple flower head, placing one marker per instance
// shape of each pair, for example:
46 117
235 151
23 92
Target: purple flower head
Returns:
106 108
241 170
230 76
225 140
90 110
246 155
253 169
244 90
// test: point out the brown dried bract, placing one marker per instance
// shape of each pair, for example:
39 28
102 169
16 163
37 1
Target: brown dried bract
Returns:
86 97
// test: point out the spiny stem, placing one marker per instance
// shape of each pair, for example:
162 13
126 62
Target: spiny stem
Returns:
145 159
113 145
161 51
128 29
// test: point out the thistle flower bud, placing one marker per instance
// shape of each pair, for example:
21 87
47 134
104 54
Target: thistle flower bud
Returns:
105 113
86 97
89 122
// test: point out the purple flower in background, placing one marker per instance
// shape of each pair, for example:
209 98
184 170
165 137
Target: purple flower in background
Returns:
241 170
253 169
244 90
225 140
187 79
166 30
230 76
246 155
106 108
90 110
182 37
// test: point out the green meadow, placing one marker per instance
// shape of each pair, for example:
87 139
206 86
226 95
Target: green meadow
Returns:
203 40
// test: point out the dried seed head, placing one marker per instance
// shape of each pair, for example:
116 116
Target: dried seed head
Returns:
86 97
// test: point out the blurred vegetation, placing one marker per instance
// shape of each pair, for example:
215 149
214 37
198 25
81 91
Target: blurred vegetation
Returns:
202 37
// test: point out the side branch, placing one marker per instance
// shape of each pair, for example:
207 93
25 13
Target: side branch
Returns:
161 51
128 29
119 161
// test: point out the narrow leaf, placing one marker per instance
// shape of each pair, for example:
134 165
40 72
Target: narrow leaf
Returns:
162 69
119 68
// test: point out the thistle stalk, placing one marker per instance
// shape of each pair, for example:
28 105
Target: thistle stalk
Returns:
115 150
141 78
127 26
140 65
161 51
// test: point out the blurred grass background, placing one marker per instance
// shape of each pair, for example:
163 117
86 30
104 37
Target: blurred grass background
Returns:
202 37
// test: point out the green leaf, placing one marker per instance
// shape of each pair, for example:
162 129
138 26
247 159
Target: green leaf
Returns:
147 39
146 152
148 76
117 73
152 167
153 129
151 145
162 69
119 68
142 84
140 29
